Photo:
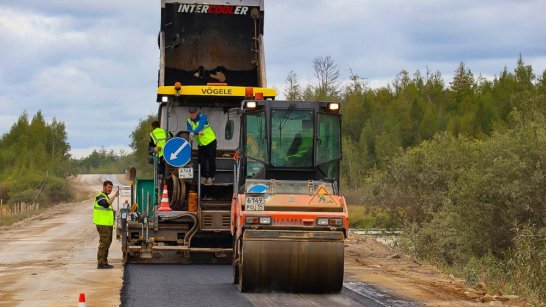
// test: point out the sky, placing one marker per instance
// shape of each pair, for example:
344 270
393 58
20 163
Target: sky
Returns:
92 64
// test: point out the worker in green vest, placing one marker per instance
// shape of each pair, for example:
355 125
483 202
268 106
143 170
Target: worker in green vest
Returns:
199 128
158 139
103 217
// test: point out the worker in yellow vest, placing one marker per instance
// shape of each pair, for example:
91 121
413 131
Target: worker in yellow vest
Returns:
158 139
103 217
199 128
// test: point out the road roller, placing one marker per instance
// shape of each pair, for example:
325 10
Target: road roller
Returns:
289 221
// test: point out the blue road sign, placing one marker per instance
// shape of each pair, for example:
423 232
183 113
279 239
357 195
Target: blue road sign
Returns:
177 152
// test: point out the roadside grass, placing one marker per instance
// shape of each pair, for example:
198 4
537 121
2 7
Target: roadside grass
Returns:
362 216
7 220
365 217
77 194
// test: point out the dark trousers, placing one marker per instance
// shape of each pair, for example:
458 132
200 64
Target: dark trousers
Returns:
105 239
161 166
207 153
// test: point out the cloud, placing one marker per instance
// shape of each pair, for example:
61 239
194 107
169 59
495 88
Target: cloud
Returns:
83 76
93 64
379 38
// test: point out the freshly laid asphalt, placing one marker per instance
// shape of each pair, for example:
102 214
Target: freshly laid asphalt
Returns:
211 285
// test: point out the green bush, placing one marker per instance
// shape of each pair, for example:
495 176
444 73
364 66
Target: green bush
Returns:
27 196
488 270
57 190
462 197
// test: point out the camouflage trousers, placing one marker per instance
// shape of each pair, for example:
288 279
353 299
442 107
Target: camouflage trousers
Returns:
105 239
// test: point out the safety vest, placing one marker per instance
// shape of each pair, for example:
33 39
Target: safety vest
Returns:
208 135
160 138
103 216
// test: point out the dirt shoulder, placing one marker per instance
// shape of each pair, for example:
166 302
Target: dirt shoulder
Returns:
372 262
50 258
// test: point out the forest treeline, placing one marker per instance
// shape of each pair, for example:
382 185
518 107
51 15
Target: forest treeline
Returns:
35 160
379 123
34 156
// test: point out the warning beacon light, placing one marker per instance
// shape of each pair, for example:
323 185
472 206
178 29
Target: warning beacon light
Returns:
177 86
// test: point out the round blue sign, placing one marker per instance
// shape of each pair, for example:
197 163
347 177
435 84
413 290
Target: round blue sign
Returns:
177 152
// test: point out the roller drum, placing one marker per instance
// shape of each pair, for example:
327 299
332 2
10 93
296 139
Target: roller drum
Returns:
292 262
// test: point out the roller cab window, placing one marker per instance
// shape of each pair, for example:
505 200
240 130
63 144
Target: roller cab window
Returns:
255 143
329 144
292 138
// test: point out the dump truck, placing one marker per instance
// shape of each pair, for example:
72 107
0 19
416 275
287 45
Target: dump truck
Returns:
289 221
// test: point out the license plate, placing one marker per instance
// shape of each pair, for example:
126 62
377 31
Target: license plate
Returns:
253 203
185 173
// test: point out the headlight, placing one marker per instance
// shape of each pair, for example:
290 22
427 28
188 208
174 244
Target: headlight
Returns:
325 221
251 104
265 220
322 221
262 220
333 106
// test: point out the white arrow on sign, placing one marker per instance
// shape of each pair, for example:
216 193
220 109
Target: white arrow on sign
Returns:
174 155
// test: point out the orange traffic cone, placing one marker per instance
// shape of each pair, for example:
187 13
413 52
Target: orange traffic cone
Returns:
165 201
82 300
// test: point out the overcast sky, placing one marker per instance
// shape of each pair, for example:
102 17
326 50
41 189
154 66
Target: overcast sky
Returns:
93 64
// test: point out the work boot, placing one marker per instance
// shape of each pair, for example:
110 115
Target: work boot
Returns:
104 266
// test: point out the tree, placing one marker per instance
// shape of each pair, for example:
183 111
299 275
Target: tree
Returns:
140 139
463 80
524 75
293 88
327 74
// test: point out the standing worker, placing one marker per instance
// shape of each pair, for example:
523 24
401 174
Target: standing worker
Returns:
158 139
200 130
103 217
